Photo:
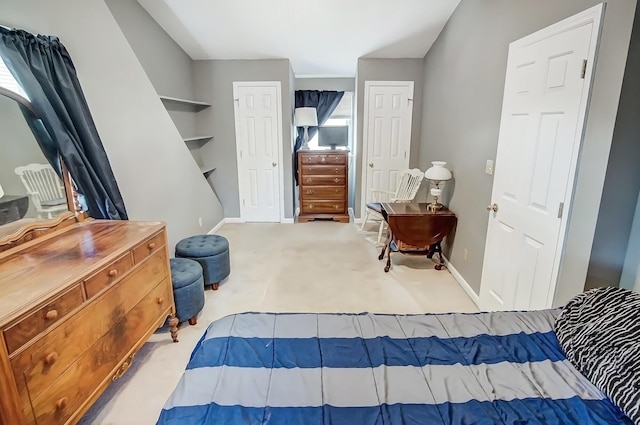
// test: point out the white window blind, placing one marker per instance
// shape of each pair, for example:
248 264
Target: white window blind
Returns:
344 108
8 82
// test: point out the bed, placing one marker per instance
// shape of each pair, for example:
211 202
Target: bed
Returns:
483 368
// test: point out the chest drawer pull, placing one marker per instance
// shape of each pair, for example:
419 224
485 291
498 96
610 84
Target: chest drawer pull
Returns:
336 180
113 273
310 192
151 246
337 170
311 206
335 207
160 301
51 315
62 403
51 358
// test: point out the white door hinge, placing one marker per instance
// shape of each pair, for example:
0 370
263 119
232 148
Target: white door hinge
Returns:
583 72
560 209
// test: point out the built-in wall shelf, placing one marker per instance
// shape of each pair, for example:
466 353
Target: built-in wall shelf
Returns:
197 139
194 103
206 171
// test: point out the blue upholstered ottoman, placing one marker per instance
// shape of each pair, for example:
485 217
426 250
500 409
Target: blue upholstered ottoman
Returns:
188 288
212 252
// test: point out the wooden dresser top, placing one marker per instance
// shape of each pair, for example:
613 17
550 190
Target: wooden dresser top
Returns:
52 264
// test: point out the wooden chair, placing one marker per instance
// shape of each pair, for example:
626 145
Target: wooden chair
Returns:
410 180
44 187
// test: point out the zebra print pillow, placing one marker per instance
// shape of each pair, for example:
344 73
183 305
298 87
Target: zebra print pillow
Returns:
599 332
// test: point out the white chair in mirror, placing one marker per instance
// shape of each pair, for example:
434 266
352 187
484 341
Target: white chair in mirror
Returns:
45 189
408 186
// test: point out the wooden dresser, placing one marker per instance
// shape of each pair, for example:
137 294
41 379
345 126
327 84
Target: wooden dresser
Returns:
75 307
323 183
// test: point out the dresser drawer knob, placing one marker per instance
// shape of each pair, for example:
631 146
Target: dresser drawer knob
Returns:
51 358
310 206
336 158
335 207
336 180
337 191
160 300
309 180
151 246
309 159
62 403
323 159
113 273
310 192
51 315
337 170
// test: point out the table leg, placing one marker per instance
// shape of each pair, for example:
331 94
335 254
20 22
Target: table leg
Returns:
388 245
384 247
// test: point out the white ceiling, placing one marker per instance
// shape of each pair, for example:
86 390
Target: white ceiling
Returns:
320 37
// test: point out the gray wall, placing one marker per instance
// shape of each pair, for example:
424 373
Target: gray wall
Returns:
168 67
340 84
464 82
387 70
622 181
158 178
214 83
630 278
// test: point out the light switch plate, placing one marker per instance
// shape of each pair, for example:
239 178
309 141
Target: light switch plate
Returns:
488 168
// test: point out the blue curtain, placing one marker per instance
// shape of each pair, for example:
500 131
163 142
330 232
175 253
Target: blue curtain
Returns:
325 103
60 117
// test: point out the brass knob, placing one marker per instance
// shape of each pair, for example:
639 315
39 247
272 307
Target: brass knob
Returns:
51 315
62 403
336 158
493 207
308 159
371 164
309 180
337 170
335 207
51 358
151 246
310 192
310 206
336 180
337 191
323 159
113 273
160 300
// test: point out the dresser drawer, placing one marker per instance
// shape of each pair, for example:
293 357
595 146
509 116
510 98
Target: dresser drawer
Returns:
320 207
95 367
323 159
59 349
108 275
322 192
324 170
144 249
25 329
323 180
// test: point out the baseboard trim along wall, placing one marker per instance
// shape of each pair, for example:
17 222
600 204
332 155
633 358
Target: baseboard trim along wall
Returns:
463 283
237 220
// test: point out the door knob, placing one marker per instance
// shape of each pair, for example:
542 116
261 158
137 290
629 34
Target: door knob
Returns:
274 164
493 207
371 164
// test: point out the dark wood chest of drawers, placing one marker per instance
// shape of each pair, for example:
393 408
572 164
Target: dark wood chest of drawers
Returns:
323 184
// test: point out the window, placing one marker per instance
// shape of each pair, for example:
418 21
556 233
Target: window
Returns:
8 81
342 115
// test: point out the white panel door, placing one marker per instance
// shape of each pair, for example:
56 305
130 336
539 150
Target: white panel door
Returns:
258 135
540 132
387 134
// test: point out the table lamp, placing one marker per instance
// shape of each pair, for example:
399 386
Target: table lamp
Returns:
437 174
305 117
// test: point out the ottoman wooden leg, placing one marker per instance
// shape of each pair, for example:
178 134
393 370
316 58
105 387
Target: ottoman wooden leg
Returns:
215 286
193 321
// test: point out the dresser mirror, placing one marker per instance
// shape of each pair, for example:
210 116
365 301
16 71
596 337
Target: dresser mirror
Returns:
32 195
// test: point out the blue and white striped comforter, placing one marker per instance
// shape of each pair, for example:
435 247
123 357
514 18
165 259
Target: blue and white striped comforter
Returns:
486 368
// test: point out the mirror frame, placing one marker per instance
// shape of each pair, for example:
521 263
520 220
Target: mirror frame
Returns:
27 230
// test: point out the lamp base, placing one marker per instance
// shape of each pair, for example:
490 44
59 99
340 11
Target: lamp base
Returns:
305 145
435 205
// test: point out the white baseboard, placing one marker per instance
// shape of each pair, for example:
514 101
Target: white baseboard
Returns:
216 227
463 283
353 217
233 220
286 221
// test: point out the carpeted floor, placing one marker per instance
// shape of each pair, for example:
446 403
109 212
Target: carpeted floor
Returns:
311 267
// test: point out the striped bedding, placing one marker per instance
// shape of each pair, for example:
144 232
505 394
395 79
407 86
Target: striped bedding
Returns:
484 368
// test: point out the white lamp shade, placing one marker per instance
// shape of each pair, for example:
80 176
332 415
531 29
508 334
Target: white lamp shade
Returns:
305 117
438 172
